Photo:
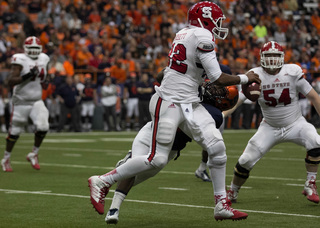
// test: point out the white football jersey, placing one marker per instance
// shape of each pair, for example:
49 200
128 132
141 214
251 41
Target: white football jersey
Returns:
279 94
191 55
29 91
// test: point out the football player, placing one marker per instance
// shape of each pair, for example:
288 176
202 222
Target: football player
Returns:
283 122
176 104
27 76
140 147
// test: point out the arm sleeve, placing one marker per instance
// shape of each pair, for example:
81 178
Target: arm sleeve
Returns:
210 64
303 86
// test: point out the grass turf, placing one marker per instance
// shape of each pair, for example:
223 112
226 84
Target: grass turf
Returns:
58 196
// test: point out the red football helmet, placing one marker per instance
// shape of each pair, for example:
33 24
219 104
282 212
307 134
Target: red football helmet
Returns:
32 47
208 15
272 55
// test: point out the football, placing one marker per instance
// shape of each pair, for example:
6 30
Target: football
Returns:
251 91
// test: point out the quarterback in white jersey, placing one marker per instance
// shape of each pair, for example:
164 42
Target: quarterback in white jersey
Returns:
282 119
27 76
176 104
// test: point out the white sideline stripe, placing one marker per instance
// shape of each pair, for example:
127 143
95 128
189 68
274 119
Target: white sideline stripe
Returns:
151 202
174 189
72 155
298 185
167 172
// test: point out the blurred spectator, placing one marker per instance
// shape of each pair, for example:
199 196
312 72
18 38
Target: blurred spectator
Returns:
68 97
145 91
83 57
130 97
261 32
88 102
108 100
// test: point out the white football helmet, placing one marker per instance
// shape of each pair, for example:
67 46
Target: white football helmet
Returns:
32 47
272 55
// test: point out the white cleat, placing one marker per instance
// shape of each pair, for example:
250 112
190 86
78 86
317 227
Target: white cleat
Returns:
33 159
310 191
98 191
203 175
6 166
112 216
223 211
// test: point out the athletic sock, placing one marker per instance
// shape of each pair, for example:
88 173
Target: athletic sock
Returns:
311 175
6 155
234 187
35 150
202 166
117 200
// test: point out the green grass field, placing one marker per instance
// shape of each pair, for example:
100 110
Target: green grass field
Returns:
58 196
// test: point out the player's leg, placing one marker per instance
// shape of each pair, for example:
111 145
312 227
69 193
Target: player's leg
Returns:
305 134
254 151
19 118
163 132
201 172
203 130
39 116
140 146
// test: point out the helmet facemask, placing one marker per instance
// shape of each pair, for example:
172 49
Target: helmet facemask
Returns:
32 47
272 60
218 31
33 52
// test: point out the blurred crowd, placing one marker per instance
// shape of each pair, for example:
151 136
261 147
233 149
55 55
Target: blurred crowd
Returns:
112 50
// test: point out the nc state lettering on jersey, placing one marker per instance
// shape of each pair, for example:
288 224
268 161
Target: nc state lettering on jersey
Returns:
180 36
276 85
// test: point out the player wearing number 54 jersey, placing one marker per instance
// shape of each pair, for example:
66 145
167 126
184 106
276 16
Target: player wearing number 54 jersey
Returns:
283 122
176 104
27 76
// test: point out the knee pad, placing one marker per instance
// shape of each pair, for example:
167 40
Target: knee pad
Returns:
217 154
240 171
12 138
40 134
159 162
250 156
313 156
165 132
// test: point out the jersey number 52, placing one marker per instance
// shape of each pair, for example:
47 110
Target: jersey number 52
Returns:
176 56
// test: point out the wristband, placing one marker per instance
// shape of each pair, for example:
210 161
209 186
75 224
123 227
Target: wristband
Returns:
243 78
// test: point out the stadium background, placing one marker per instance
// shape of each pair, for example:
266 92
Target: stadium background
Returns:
117 38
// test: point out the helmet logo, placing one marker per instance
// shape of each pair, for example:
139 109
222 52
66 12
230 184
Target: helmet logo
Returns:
206 12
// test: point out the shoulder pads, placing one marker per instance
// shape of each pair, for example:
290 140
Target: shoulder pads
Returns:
294 70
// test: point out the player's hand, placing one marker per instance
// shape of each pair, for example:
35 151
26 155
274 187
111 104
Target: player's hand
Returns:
34 71
253 77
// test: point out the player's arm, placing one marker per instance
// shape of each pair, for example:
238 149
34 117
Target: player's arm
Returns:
209 62
314 97
15 77
227 79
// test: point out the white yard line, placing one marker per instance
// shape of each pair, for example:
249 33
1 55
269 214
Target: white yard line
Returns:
174 189
12 191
